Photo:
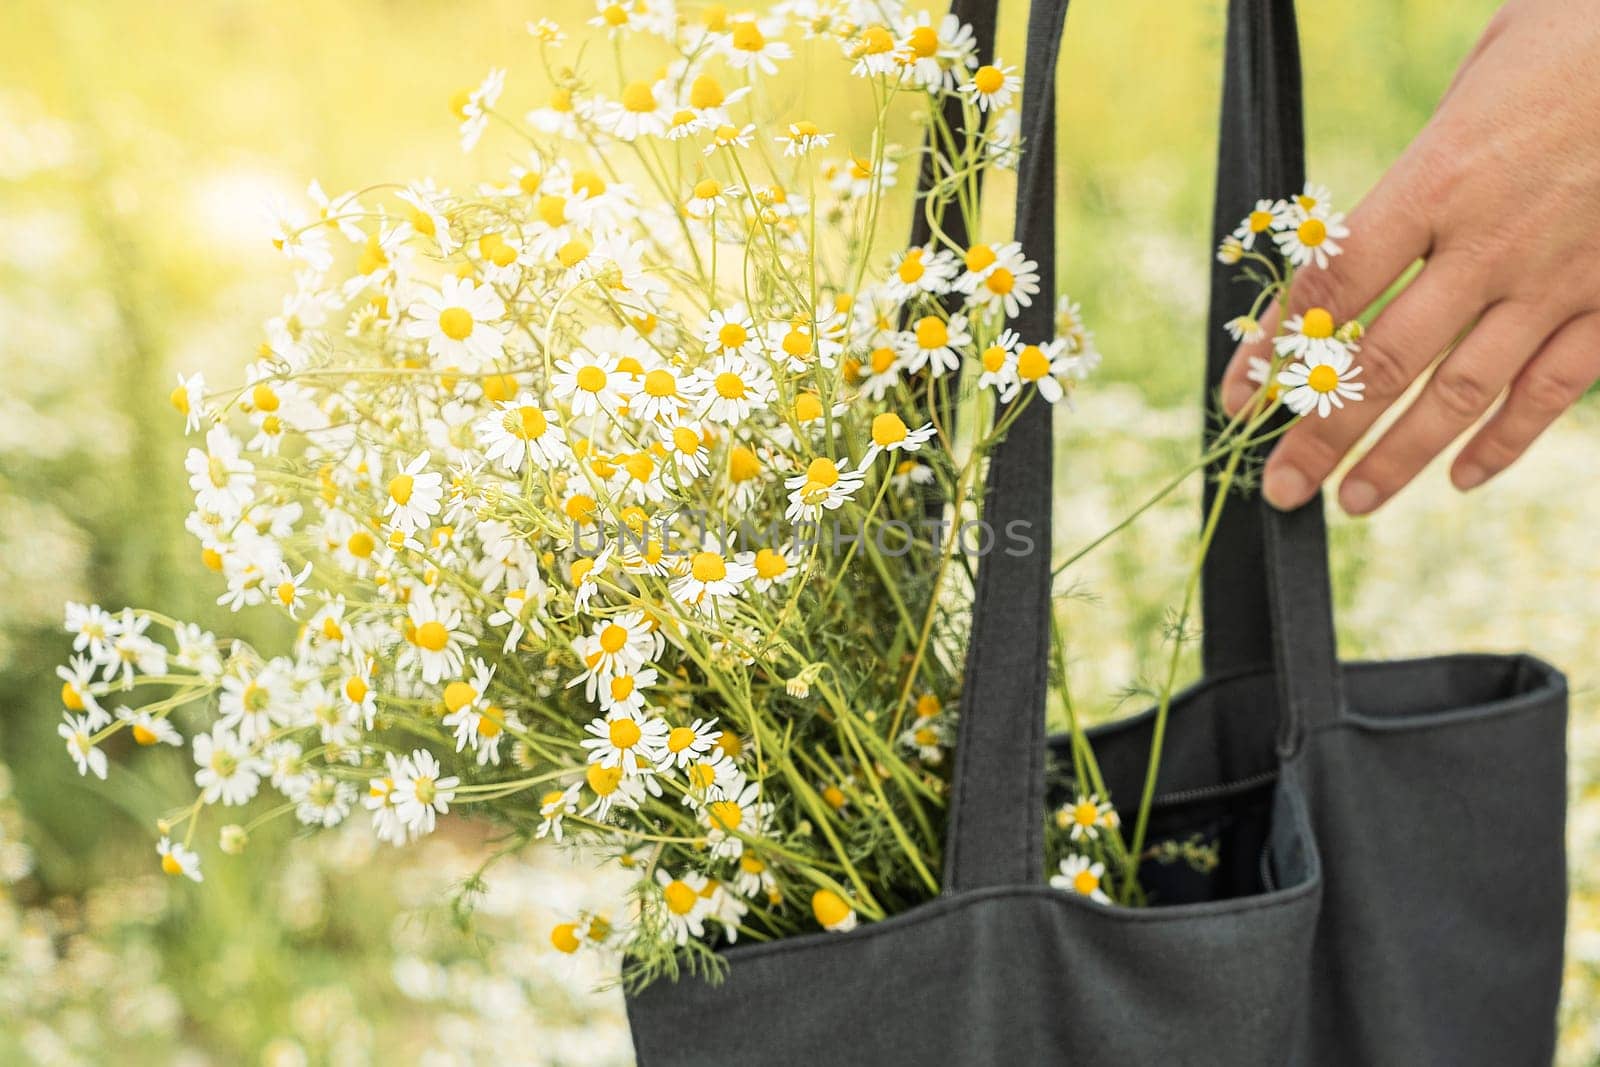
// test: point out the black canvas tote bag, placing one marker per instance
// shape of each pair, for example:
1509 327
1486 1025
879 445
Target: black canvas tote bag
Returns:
1392 881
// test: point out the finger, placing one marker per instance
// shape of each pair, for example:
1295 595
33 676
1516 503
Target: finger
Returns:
1388 233
1558 374
1461 389
1409 334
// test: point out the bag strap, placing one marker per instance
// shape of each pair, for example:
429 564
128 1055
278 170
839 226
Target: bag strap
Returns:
995 833
1265 586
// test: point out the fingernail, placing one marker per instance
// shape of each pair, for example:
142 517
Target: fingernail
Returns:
1469 476
1358 498
1285 488
1236 395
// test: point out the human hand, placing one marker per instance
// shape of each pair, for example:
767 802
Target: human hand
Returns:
1500 195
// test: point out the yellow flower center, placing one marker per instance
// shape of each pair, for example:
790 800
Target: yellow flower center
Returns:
822 472
797 343
422 222
660 384
807 406
526 422
573 252
1317 323
361 544
603 780
924 42
701 777
565 938
400 487
707 189
888 429
829 907
684 439
743 464
170 864
834 797
180 399
613 638
932 332
980 258
1260 221
356 689
912 268
624 733
724 815
433 636
1086 882
1323 378
1000 281
732 335
747 37
706 91
770 564
989 80
1085 813
458 695
751 864
264 398
1032 363
143 735
994 358
491 722
591 379
708 567
1312 232
639 97
875 41
622 687
730 386
882 359
680 896
680 738
552 210
580 508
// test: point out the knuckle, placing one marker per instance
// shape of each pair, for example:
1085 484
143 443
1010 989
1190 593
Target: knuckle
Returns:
1462 394
1385 373
1549 392
1320 288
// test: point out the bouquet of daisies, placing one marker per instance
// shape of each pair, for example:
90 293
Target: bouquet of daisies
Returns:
601 493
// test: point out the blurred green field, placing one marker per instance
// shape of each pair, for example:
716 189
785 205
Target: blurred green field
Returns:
138 145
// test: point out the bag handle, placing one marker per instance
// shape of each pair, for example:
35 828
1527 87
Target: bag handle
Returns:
1265 588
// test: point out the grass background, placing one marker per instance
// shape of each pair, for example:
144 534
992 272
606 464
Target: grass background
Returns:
137 144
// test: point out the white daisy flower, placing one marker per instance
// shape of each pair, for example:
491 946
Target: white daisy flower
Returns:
77 692
176 860
90 626
78 734
590 382
802 138
435 641
730 332
935 344
683 907
1244 328
554 806
935 51
918 272
1322 385
460 323
190 400
1313 239
730 387
520 431
1084 818
832 912
426 215
1267 217
823 486
890 434
773 566
229 771
993 87
222 479
999 363
634 743
414 496
612 787
1049 366
643 110
1008 283
1311 336
755 877
324 801
733 815
753 44
688 744
382 801
421 793
1081 876
148 729
909 474
709 576
472 108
